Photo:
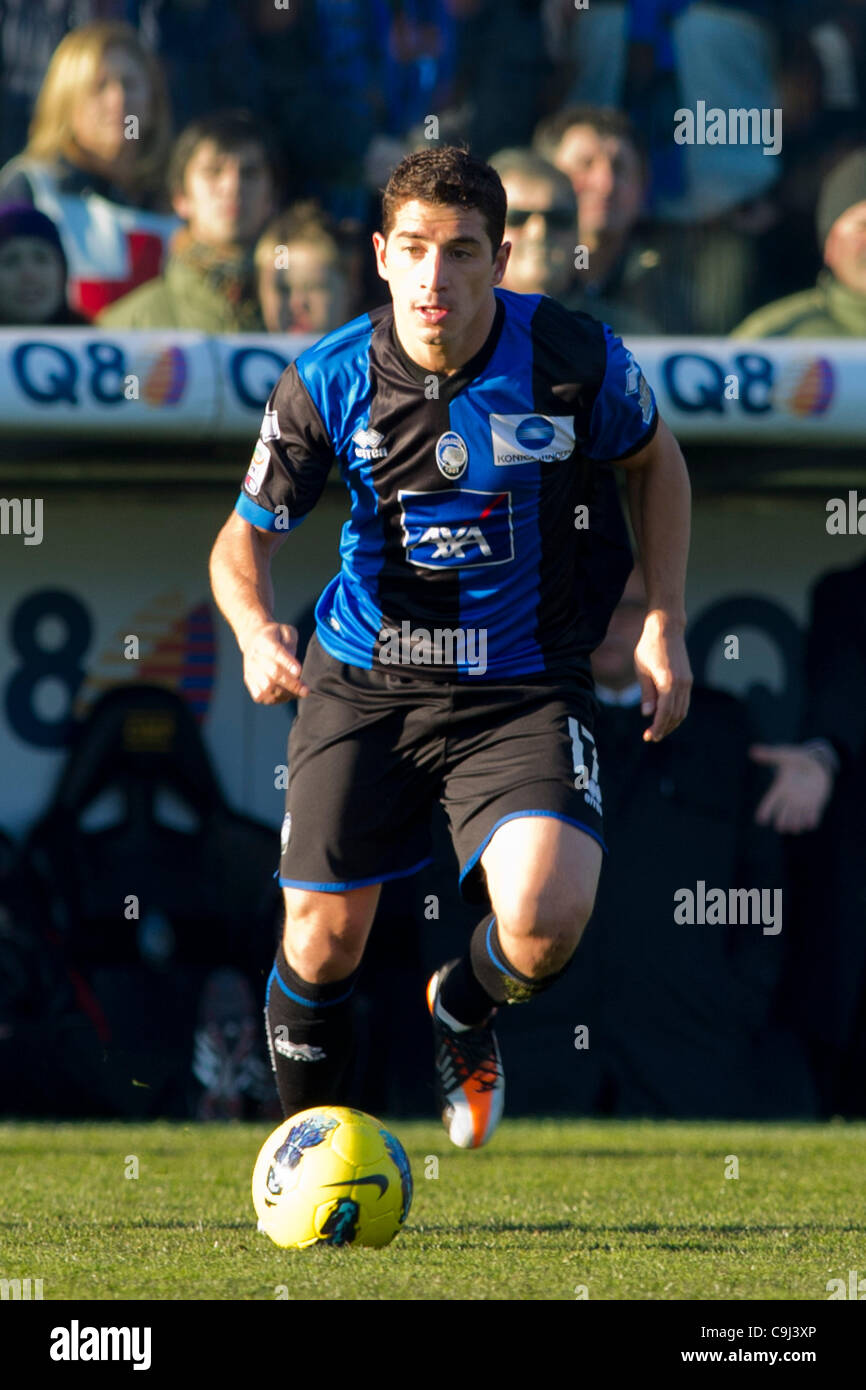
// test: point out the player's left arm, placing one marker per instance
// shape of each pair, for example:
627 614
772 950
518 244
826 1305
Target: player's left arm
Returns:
625 428
659 499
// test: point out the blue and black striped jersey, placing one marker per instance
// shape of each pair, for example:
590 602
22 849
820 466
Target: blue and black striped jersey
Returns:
469 493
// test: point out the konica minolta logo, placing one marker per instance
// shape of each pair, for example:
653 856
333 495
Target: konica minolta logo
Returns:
367 444
532 438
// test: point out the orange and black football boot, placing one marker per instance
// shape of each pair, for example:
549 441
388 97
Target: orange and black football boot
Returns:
470 1082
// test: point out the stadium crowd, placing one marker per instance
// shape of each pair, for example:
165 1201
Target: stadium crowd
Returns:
215 166
118 130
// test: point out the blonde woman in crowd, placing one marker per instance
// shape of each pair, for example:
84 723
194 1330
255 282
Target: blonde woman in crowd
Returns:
95 162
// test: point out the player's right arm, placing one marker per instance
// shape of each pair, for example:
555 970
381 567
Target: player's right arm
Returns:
240 575
284 481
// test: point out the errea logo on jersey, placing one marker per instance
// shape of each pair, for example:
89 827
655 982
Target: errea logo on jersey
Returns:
367 444
532 438
456 528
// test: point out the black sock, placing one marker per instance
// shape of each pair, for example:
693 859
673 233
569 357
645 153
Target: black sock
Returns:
485 978
309 1033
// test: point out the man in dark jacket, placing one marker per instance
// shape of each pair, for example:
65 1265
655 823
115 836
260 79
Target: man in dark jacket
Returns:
664 1016
817 797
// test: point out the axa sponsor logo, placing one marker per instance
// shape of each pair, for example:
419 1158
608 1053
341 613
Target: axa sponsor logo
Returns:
368 444
450 543
532 438
457 527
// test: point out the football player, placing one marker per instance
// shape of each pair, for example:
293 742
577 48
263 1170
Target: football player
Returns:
474 428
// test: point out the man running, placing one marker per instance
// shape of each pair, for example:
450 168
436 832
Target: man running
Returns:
472 427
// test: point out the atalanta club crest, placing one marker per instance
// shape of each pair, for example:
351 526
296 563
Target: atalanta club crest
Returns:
452 454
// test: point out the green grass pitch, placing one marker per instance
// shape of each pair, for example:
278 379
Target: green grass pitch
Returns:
551 1210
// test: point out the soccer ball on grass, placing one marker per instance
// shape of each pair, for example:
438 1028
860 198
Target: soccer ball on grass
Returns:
331 1176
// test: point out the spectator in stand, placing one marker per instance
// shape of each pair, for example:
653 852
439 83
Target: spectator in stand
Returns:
816 801
368 69
29 35
320 71
816 793
418 55
377 71
669 54
836 306
206 52
303 285
221 179
541 224
823 95
496 104
224 72
95 162
32 270
599 151
716 201
679 1015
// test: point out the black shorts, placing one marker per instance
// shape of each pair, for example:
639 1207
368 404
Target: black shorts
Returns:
370 752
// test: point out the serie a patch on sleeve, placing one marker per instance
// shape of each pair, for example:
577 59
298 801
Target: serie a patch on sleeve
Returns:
258 469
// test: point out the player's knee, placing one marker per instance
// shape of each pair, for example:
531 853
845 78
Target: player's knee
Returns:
544 926
323 936
318 954
550 910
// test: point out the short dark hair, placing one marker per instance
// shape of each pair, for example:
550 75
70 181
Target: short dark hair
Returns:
229 131
449 176
604 120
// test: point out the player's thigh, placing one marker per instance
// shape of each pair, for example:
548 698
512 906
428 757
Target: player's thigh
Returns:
542 875
362 775
325 933
523 798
